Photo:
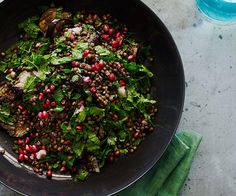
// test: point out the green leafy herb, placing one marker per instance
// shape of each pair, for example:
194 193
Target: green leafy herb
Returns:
93 142
78 149
111 140
29 84
96 111
102 51
82 175
58 95
5 114
75 78
58 109
30 27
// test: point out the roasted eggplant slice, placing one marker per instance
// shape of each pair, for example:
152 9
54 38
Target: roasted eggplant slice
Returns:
53 21
16 123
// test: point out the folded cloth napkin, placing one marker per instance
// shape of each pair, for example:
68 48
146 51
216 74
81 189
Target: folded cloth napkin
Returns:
167 177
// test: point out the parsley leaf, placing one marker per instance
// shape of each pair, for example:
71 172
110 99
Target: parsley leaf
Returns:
82 175
29 84
111 140
78 149
102 51
58 95
30 27
5 114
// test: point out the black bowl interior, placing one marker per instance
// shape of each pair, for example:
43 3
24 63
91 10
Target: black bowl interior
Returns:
168 88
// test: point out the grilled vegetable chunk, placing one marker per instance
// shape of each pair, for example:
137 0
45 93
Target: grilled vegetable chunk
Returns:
12 120
53 21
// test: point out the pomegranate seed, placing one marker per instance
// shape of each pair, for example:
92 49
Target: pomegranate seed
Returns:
131 57
122 83
63 169
105 27
74 64
111 31
67 142
105 37
93 90
40 115
54 104
27 140
95 67
52 88
79 128
36 170
115 44
48 90
118 34
112 77
86 53
25 112
101 64
105 17
27 148
38 45
43 147
20 142
24 152
45 114
49 174
125 30
34 148
120 40
26 158
74 170
47 103
86 80
63 102
20 151
81 103
32 135
72 37
110 158
41 96
95 16
21 157
115 117
136 135
21 107
117 153
32 156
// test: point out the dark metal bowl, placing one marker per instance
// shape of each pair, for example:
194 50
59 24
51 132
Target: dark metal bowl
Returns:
168 85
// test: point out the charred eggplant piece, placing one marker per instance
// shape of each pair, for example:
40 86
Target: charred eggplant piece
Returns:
16 124
53 20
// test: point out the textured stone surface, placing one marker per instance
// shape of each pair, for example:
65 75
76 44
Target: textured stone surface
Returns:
208 52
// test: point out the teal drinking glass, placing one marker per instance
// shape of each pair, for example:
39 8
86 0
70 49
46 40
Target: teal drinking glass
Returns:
222 10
